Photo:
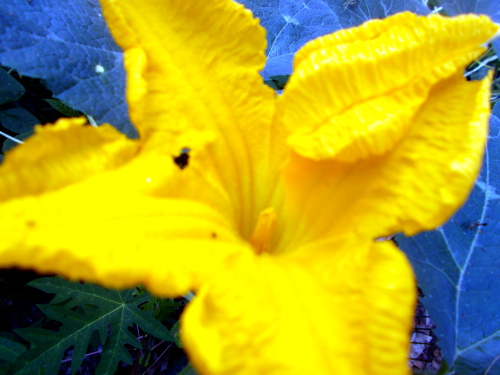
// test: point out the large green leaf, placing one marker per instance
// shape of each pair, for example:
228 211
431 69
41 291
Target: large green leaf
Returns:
84 309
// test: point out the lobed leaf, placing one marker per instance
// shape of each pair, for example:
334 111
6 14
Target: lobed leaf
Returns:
84 309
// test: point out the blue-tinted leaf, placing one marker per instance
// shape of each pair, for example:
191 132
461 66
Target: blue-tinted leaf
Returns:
458 269
292 23
18 120
10 89
67 44
489 7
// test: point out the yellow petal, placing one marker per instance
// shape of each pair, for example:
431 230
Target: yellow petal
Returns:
344 311
61 154
87 203
355 93
193 81
183 57
103 231
422 175
417 186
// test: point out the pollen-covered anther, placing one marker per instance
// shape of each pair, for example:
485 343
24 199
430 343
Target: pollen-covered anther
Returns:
264 230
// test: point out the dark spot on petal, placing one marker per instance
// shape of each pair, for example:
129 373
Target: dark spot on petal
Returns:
214 235
31 223
182 160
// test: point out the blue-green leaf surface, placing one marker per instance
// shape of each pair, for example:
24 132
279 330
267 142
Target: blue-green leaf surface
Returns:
458 269
68 45
292 23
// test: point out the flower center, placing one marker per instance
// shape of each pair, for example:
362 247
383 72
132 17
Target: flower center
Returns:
264 230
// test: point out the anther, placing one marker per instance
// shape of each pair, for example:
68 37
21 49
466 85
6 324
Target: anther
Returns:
264 230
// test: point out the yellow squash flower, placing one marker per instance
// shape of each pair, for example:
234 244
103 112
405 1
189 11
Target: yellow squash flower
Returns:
273 219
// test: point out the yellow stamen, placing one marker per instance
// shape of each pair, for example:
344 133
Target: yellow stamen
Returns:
264 230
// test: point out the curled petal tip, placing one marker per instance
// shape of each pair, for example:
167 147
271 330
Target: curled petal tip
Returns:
497 34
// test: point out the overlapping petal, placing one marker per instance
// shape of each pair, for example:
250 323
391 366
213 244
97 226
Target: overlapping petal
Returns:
398 167
192 76
347 310
107 231
356 92
88 203
61 154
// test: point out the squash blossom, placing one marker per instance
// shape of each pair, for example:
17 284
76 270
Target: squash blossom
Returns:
266 206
